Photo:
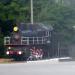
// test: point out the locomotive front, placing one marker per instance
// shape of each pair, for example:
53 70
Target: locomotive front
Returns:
28 41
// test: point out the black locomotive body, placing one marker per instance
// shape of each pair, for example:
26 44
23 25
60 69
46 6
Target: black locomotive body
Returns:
28 40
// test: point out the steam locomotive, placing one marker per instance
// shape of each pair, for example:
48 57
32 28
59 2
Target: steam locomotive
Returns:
28 41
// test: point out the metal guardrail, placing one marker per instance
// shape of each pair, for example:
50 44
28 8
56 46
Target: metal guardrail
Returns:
25 41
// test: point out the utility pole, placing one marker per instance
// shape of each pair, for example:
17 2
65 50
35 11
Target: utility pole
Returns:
31 11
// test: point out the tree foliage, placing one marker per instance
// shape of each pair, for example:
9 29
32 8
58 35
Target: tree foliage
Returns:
14 10
60 16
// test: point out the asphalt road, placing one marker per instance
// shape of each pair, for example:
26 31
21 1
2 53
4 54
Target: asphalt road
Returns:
38 68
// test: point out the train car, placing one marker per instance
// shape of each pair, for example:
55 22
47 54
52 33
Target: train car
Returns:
28 41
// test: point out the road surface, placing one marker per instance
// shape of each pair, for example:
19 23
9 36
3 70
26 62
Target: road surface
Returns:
46 67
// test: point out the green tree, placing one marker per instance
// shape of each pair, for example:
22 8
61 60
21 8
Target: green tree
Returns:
14 11
61 17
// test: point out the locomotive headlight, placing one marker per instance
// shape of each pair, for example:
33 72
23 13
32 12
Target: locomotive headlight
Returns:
19 52
9 47
7 52
15 29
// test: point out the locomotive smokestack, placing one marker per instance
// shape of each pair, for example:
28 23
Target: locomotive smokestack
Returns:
31 11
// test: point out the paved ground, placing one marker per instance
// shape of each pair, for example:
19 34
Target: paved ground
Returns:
38 68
